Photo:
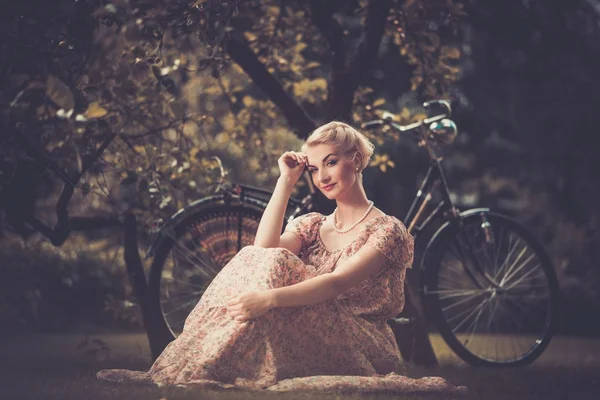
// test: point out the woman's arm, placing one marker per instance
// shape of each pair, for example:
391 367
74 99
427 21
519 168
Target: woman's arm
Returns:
271 222
366 262
291 166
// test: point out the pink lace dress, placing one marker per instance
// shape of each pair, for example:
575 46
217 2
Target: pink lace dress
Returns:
343 344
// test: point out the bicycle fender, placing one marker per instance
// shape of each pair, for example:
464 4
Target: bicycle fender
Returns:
447 225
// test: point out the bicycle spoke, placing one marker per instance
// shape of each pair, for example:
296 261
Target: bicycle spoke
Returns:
452 274
448 279
188 256
491 320
522 307
193 303
195 261
212 256
461 254
183 296
489 263
460 302
474 323
448 292
455 292
521 278
511 316
513 264
457 259
505 262
498 253
476 309
510 272
179 281
208 249
456 251
531 282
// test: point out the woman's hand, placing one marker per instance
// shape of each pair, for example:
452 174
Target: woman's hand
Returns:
292 164
250 305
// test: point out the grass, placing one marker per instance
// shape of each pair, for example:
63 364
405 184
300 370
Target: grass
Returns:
53 367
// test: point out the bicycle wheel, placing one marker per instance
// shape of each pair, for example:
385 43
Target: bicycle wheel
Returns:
186 263
491 289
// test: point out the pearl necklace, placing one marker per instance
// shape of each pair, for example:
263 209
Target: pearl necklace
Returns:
353 225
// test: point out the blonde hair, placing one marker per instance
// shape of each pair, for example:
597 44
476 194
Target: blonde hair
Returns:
343 136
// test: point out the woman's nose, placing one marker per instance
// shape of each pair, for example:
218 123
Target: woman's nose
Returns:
323 178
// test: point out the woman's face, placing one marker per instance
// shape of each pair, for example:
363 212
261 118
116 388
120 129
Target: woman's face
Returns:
331 170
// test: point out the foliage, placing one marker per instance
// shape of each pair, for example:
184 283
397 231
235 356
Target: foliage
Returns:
151 86
84 283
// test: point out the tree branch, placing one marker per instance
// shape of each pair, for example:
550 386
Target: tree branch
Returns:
46 231
69 188
39 156
58 237
239 50
92 223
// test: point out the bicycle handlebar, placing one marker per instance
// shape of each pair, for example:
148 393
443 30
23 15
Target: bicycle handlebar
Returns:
387 118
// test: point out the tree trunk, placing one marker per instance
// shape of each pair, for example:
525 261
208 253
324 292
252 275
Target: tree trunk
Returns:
158 338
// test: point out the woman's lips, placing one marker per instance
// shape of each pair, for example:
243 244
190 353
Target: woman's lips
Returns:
328 187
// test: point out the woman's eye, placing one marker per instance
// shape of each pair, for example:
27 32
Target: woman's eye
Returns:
331 163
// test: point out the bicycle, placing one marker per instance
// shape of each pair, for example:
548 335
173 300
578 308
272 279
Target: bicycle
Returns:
484 279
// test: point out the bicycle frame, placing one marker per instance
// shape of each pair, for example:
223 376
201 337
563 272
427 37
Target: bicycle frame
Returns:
445 210
417 222
432 179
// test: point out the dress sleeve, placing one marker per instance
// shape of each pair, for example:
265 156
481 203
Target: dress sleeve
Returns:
394 241
303 226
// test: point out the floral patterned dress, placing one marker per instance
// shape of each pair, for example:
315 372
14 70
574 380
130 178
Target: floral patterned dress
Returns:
343 344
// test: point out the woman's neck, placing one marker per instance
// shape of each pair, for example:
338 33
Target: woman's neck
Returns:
350 211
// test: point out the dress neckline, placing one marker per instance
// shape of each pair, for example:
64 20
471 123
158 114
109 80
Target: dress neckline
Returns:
322 219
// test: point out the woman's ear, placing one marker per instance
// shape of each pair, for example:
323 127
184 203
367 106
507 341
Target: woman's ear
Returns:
357 160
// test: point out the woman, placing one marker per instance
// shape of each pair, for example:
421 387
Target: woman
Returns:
306 309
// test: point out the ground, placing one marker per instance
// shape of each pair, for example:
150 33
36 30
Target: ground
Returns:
60 366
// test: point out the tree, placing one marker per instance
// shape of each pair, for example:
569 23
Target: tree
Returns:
123 101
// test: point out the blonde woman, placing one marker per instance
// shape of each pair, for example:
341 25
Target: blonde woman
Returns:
306 309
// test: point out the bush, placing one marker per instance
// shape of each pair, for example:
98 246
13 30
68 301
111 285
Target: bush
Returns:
82 283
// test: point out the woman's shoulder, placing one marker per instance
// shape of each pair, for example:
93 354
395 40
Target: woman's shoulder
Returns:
307 219
311 216
387 223
391 237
